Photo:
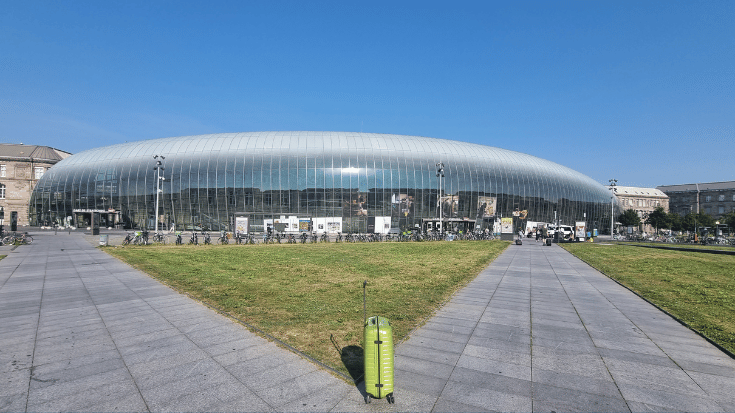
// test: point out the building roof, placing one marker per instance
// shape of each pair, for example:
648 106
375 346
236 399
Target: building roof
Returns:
706 186
635 191
35 152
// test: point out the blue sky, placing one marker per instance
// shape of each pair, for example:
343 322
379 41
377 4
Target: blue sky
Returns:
640 91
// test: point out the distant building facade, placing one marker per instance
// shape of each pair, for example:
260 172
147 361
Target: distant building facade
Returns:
21 166
642 200
713 198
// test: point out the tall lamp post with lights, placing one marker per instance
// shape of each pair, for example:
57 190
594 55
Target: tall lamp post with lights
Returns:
440 175
613 190
158 168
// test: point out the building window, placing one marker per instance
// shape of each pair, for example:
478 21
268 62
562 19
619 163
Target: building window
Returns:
721 198
2 191
38 172
3 174
708 198
708 210
733 198
721 210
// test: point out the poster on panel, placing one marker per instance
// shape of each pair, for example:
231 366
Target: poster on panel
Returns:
486 206
304 225
356 206
450 206
579 230
402 204
242 226
506 225
334 226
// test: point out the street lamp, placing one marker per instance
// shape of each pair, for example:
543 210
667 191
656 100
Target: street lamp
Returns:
613 190
158 168
440 175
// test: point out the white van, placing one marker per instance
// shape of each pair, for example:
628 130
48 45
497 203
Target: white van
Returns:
565 231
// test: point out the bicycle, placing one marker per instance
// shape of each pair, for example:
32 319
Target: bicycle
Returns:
179 241
135 238
207 239
194 240
223 239
22 239
160 238
324 238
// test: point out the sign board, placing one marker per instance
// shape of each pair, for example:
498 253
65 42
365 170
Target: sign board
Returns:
242 225
486 206
579 230
506 225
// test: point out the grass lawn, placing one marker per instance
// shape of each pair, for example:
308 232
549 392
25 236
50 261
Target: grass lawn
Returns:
685 246
697 288
304 293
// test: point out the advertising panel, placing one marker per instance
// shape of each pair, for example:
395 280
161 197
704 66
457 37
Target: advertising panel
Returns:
242 226
450 206
506 225
356 206
304 225
402 204
486 206
579 230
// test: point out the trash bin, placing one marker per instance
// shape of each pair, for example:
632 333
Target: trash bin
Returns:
103 240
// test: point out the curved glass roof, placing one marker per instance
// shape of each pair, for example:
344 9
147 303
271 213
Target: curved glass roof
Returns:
320 163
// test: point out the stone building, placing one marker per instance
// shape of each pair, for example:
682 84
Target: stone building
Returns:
642 200
713 198
21 166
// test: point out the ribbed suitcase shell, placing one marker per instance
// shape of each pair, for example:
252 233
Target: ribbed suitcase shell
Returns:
378 357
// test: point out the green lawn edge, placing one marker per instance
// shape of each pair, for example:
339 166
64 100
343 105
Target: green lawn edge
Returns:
318 287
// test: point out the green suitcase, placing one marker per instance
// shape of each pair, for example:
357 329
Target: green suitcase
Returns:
378 350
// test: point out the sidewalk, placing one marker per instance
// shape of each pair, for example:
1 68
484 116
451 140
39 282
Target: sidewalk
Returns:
538 330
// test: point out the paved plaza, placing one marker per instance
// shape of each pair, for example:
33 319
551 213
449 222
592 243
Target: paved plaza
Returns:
537 330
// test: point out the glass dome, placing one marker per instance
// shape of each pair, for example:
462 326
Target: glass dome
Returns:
356 182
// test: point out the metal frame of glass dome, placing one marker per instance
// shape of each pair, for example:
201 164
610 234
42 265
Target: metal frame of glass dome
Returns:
352 177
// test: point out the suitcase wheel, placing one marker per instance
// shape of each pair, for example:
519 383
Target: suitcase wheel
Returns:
390 398
368 399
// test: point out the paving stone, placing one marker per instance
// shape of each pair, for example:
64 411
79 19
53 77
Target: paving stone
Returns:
483 399
423 367
497 367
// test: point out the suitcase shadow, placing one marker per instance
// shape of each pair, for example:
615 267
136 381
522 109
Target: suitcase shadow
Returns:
352 359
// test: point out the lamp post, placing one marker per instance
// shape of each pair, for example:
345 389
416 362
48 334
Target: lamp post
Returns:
158 168
613 190
440 175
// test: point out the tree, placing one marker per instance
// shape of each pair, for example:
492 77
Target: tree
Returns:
675 221
705 220
729 219
694 220
629 218
658 219
689 222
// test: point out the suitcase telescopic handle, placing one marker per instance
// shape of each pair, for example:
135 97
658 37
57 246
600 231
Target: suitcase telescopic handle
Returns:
364 300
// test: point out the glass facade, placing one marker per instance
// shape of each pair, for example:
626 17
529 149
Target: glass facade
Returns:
352 178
